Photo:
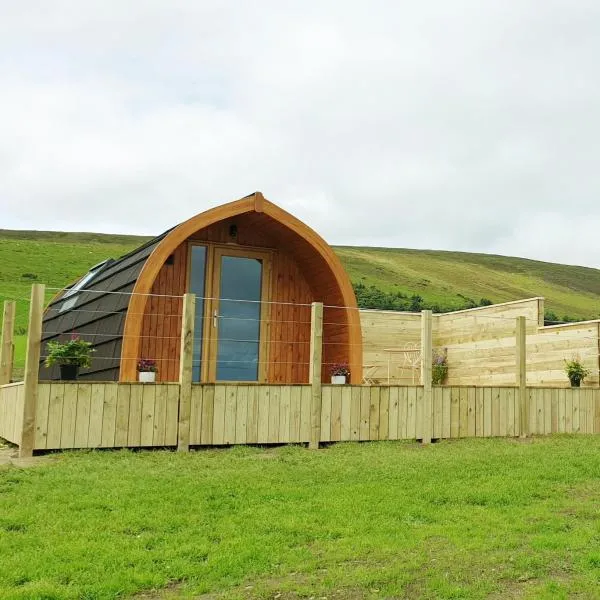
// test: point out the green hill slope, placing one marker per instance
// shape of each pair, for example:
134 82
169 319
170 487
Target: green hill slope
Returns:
443 280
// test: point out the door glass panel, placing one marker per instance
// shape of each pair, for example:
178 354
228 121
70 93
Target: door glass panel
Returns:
239 319
197 276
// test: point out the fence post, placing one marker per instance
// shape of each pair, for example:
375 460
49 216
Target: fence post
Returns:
521 343
426 359
316 357
7 342
185 372
32 369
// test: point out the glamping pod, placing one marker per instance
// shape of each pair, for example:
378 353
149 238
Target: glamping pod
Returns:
255 270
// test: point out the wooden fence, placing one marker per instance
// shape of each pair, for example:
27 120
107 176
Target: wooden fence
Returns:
53 415
11 411
118 415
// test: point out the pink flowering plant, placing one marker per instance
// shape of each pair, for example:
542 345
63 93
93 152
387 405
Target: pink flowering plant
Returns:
147 365
439 367
339 370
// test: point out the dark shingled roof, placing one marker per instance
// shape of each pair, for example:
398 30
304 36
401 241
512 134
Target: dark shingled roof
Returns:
98 315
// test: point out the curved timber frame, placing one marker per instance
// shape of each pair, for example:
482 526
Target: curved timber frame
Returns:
330 270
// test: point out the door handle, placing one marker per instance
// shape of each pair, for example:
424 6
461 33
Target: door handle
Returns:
215 317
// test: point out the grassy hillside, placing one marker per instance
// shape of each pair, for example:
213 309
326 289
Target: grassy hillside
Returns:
451 279
446 280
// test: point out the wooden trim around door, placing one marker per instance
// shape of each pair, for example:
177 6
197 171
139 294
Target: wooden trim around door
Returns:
266 257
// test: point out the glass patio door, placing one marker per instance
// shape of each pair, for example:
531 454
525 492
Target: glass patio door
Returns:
230 345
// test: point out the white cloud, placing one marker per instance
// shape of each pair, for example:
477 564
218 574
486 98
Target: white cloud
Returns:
457 125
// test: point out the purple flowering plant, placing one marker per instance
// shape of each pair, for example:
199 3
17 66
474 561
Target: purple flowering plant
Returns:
339 369
147 365
439 367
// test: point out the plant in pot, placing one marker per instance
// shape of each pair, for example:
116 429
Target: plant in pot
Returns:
339 373
69 356
147 370
575 371
439 367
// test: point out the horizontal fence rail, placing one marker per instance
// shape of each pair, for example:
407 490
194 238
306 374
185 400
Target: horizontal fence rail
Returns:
132 415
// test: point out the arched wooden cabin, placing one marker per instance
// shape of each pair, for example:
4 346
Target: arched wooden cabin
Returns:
255 270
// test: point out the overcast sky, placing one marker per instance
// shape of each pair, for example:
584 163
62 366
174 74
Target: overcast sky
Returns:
456 125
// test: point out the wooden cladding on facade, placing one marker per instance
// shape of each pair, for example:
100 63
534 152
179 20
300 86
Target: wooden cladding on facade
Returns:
298 277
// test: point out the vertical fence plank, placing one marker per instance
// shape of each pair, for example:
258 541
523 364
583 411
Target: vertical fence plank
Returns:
67 435
82 422
218 432
275 401
336 413
355 413
411 413
55 410
147 429
569 411
402 413
241 415
195 415
32 366
346 404
122 417
316 358
471 411
393 413
7 341
576 405
230 414
590 410
463 412
160 415
109 416
365 403
547 411
374 413
487 412
252 418
306 414
284 414
438 417
295 413
554 408
511 426
173 413
134 427
384 414
208 414
185 371
454 412
496 408
446 412
539 403
41 416
479 403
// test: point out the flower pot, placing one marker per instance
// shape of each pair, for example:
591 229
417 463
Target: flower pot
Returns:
338 379
147 376
575 382
69 372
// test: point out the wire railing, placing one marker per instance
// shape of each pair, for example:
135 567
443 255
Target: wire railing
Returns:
241 339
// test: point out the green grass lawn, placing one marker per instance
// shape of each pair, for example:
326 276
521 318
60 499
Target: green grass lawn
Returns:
470 519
